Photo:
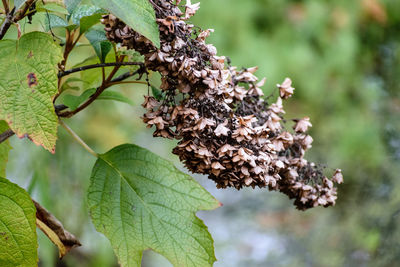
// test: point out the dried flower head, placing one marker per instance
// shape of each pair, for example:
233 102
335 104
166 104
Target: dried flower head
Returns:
225 127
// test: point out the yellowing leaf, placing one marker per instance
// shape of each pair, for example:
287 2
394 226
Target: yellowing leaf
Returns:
141 201
28 83
53 237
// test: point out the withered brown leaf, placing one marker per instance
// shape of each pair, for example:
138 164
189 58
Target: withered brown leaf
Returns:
54 230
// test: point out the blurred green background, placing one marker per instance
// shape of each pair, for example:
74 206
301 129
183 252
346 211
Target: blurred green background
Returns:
344 59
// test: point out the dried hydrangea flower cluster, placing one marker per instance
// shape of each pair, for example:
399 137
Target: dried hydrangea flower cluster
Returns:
217 112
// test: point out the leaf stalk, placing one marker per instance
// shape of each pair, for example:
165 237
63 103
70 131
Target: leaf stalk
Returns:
78 139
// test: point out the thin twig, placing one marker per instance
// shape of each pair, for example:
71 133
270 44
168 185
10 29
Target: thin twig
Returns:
78 139
99 65
69 40
126 75
22 12
5 135
6 7
59 108
105 84
7 23
11 18
103 74
128 82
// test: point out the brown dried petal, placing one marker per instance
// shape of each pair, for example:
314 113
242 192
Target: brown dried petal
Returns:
338 176
302 125
286 89
150 102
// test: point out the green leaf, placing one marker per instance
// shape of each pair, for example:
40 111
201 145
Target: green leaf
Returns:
54 21
73 101
100 43
5 148
71 84
85 11
87 22
138 14
116 96
140 201
74 79
72 5
67 86
28 84
52 7
18 240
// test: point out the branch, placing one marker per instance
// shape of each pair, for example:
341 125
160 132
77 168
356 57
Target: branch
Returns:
100 65
11 18
5 135
22 12
78 139
59 108
126 75
7 23
107 83
6 7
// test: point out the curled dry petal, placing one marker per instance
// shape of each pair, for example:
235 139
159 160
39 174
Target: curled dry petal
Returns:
302 125
150 102
222 129
216 165
191 9
338 176
286 89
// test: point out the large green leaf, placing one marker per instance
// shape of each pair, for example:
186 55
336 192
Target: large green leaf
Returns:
18 241
138 14
28 83
141 201
5 147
